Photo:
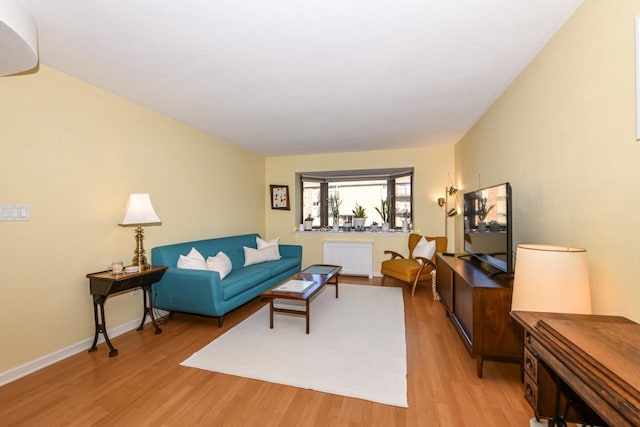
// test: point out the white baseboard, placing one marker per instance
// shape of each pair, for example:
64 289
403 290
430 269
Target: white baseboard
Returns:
58 355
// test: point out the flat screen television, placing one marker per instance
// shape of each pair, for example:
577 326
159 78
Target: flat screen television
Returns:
487 226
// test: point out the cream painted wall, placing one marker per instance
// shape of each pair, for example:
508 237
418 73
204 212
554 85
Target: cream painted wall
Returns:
73 153
432 166
563 134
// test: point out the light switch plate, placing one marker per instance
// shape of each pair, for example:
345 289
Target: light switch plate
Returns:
15 212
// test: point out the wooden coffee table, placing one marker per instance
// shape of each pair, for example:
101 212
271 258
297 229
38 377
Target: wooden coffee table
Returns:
320 274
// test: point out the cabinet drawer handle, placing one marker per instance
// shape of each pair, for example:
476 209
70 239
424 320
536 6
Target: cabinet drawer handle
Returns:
528 392
529 363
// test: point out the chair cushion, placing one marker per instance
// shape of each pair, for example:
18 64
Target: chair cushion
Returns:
425 249
404 269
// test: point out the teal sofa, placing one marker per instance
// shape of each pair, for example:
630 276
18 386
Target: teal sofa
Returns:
202 292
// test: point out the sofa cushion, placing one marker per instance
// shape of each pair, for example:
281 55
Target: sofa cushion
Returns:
257 256
280 266
273 242
220 263
243 279
192 261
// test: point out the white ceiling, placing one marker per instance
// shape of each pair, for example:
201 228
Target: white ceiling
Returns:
301 76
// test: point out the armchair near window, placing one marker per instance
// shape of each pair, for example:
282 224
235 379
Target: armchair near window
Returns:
415 268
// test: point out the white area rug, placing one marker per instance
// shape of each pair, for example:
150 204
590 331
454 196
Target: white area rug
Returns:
356 346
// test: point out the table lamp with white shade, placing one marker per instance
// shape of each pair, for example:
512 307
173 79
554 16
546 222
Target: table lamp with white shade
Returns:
552 279
139 212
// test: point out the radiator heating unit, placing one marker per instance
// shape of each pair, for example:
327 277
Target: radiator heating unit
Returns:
356 258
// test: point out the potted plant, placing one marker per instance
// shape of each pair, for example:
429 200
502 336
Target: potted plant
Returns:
383 211
308 223
359 216
334 207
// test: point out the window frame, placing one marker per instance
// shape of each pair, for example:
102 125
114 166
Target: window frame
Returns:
327 177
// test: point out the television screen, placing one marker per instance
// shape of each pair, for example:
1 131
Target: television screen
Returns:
487 226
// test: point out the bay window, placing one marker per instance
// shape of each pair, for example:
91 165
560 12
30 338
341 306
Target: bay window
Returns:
321 192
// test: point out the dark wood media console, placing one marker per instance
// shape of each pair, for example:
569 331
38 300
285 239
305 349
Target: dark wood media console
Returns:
479 307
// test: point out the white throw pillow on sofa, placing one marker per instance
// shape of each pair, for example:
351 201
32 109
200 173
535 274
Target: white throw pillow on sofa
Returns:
220 263
274 242
425 248
256 256
192 261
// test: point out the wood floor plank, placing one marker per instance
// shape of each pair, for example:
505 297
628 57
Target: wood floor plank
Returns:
146 386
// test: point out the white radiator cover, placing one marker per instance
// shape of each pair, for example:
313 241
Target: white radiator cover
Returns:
356 258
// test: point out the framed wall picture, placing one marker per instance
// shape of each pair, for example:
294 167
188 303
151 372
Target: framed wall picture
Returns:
280 197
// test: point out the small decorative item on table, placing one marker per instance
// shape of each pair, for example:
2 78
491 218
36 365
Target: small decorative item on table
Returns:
117 267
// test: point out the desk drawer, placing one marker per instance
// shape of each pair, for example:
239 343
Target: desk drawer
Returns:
531 392
531 365
529 341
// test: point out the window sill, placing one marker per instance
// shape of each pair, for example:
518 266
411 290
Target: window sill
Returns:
354 233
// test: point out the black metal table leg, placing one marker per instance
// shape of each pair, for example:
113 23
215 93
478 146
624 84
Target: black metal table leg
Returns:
101 325
112 350
148 309
97 326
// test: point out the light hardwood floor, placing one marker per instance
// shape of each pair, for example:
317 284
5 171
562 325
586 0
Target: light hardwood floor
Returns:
145 385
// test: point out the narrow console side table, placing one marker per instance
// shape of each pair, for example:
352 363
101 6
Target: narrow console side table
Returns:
105 284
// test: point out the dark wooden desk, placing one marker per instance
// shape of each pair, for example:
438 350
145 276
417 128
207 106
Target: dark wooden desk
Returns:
582 368
105 284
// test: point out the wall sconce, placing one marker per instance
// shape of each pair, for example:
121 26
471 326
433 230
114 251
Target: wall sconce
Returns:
551 279
444 202
139 212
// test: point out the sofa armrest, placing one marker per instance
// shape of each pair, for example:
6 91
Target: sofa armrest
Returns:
291 251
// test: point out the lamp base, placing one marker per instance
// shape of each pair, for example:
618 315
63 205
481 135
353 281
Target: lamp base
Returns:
142 267
139 257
